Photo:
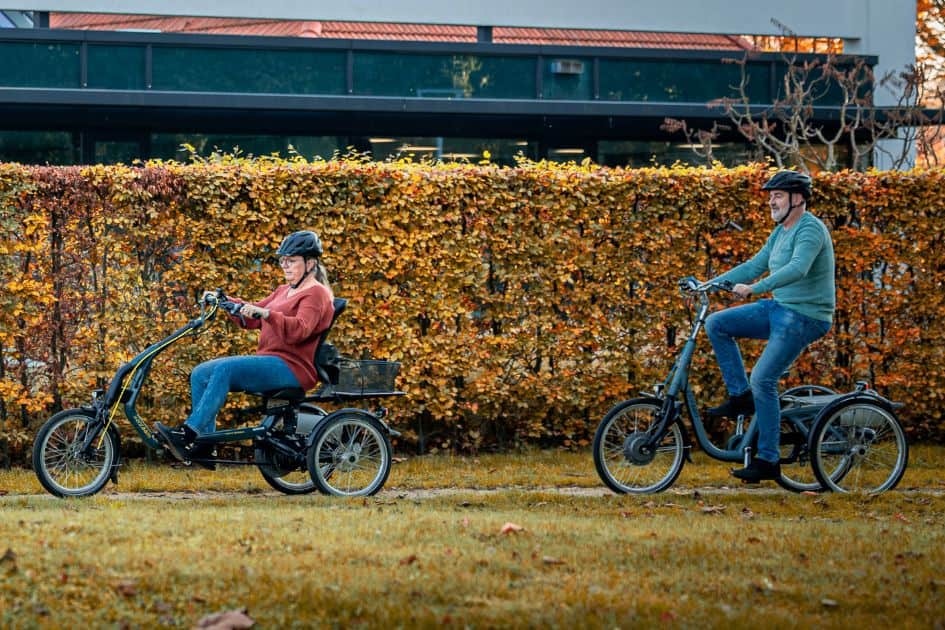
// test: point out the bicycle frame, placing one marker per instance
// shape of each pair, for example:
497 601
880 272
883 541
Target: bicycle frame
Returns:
677 383
129 379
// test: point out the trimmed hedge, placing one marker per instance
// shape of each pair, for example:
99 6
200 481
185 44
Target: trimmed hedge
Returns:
523 301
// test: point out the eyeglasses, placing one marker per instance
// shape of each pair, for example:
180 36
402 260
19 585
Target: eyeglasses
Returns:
286 261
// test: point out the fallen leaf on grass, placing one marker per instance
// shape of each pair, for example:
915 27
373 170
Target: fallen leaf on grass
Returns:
551 560
511 528
712 509
8 561
127 588
412 558
227 620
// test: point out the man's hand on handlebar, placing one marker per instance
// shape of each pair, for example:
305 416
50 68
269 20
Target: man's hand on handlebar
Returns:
742 290
692 285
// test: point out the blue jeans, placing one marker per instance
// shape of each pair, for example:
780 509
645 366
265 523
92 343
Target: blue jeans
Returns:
211 381
788 333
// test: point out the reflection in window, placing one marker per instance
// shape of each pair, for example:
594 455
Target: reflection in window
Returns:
639 153
38 147
443 76
170 146
472 150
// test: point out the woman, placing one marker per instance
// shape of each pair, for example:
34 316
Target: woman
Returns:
290 321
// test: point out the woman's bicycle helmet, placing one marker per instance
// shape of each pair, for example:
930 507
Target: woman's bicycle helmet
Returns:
304 243
790 181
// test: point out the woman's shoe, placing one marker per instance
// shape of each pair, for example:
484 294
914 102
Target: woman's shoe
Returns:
758 470
740 405
178 441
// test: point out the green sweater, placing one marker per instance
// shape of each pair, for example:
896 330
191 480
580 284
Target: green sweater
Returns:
800 265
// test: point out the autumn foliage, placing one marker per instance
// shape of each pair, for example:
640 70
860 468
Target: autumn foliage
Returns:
522 302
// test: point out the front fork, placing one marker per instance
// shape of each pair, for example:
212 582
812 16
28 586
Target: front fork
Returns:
669 413
94 435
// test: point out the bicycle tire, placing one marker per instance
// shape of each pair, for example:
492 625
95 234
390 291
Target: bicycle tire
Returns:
285 474
858 445
620 465
350 454
797 474
62 469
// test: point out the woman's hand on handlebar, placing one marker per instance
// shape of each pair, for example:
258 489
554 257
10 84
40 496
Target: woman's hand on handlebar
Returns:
256 312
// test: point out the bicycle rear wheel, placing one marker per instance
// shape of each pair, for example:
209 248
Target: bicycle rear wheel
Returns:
797 474
350 455
858 446
622 464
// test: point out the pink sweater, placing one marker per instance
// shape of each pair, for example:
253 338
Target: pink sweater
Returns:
293 328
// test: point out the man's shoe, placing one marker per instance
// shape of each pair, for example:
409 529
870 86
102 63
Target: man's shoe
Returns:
758 470
741 405
178 441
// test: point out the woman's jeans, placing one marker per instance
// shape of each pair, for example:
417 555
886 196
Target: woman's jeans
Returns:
788 333
211 381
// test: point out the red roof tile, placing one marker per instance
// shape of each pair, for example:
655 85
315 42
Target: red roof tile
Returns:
402 32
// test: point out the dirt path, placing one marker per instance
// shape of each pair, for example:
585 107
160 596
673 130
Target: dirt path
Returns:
419 494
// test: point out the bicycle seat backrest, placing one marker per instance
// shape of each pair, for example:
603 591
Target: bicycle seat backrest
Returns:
321 368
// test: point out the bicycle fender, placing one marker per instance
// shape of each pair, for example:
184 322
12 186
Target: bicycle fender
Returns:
116 435
867 396
310 438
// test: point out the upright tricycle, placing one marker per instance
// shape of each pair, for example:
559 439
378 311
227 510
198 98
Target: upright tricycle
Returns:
850 442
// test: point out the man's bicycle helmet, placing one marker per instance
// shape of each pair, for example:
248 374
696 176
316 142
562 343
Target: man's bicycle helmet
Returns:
790 181
304 243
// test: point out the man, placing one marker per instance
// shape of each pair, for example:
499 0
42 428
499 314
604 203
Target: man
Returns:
799 261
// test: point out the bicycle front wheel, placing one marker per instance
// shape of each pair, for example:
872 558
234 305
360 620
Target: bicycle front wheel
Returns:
621 457
62 465
858 446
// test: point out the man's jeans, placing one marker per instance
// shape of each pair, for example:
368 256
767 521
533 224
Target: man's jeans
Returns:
211 381
788 333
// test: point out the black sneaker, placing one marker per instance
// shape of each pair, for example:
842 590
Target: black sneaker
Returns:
758 470
204 455
178 441
741 405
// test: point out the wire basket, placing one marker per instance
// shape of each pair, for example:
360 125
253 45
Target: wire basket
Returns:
367 377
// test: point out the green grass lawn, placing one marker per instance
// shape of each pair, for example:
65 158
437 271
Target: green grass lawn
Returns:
519 540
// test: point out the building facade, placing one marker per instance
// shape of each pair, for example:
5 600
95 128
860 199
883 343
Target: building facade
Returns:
97 87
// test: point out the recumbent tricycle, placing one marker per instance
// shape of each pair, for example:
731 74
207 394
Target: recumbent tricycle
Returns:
298 446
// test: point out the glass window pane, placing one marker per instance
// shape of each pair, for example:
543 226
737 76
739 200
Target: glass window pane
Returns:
502 151
116 67
169 146
39 64
37 147
678 81
443 76
661 153
117 152
245 70
567 78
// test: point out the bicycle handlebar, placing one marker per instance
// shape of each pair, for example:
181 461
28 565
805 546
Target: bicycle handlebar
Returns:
217 299
690 284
